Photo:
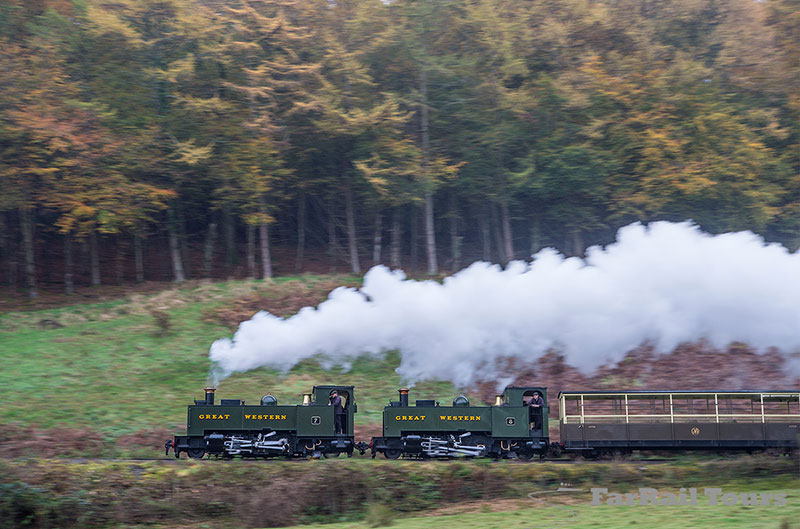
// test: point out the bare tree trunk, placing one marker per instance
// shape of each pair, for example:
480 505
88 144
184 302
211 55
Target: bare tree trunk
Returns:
486 239
11 255
183 243
430 233
137 257
508 238
208 250
333 244
352 243
83 263
455 240
506 244
94 259
536 235
301 231
44 258
230 241
377 239
120 260
251 252
174 249
396 238
26 225
577 242
266 259
263 233
498 236
414 237
69 284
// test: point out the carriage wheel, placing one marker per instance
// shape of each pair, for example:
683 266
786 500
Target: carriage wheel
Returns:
592 454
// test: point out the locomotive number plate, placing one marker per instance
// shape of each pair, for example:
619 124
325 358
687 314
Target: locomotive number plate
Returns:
315 419
510 421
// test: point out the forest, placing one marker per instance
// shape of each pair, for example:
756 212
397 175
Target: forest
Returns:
167 140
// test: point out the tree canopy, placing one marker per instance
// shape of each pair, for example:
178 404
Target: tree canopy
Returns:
342 133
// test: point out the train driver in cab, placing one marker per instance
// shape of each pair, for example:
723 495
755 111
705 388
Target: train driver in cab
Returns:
338 412
535 410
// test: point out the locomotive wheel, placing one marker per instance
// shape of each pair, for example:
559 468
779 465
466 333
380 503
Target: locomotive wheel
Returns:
392 453
483 442
524 454
196 453
332 454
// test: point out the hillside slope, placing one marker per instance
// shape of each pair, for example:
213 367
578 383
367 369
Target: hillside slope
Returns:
115 377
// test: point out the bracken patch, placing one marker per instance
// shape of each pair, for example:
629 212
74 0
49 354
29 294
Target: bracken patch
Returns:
283 300
25 441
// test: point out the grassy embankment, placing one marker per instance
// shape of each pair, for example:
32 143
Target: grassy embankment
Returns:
561 512
130 366
359 493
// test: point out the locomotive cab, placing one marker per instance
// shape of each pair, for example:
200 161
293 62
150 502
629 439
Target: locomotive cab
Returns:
521 396
321 396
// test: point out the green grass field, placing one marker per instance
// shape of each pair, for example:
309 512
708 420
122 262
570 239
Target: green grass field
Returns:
111 368
569 513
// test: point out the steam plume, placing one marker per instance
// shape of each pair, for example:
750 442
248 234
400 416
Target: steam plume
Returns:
665 284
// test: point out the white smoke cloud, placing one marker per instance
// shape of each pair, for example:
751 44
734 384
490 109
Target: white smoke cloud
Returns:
666 284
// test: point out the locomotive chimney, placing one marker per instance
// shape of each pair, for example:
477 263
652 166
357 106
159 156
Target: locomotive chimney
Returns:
498 400
403 397
210 396
306 399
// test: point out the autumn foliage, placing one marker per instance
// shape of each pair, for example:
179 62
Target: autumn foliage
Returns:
183 131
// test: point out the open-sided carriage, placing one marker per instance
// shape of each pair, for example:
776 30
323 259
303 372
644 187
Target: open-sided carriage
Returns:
594 422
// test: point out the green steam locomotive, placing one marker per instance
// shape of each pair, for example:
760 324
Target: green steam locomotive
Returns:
233 428
513 427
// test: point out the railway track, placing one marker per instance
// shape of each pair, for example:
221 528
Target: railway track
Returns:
172 460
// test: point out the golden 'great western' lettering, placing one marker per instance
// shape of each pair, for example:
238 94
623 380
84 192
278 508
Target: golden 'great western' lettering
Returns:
410 417
460 417
214 416
265 417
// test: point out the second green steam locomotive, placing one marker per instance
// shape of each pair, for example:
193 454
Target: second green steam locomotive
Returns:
510 428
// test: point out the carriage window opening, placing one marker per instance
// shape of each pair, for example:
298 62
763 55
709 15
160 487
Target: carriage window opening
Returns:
785 407
602 409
